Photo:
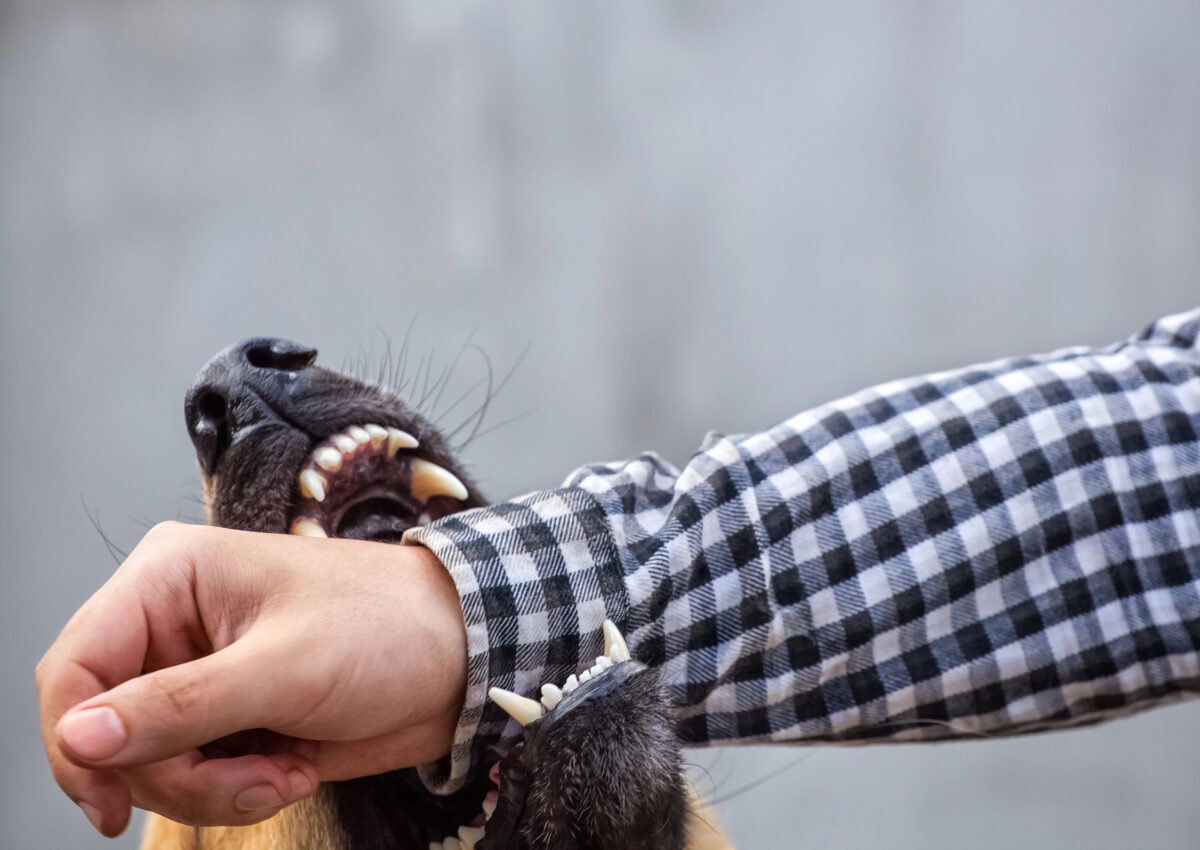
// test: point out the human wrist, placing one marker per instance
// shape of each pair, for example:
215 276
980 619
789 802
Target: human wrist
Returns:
446 636
536 577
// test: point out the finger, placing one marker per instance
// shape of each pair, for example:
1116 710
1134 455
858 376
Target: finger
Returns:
107 641
103 797
62 682
171 711
408 747
198 791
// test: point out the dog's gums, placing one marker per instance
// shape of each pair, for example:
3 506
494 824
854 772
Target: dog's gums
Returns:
285 446
366 483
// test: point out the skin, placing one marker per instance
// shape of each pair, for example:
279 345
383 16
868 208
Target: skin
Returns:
203 632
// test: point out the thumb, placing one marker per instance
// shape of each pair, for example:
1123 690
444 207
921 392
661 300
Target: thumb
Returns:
170 711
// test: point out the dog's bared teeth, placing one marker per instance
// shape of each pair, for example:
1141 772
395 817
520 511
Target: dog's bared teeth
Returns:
359 434
346 444
451 843
378 435
429 479
614 644
328 458
551 695
398 440
490 800
305 527
312 485
470 836
436 845
521 709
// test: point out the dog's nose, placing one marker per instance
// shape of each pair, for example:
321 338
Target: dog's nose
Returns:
237 388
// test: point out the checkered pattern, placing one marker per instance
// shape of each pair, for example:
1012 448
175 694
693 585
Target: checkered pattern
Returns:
994 550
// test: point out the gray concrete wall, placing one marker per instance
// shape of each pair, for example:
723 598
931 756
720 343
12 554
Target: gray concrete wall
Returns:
695 215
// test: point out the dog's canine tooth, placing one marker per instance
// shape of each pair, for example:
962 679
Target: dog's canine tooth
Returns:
490 800
312 484
551 695
451 843
307 528
328 458
398 439
346 444
614 644
429 479
521 709
470 836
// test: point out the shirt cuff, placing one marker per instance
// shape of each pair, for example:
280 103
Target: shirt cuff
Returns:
537 577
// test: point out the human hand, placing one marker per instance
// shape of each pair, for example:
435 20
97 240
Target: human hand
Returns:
352 654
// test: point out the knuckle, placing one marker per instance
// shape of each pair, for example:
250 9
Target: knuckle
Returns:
162 531
180 695
41 671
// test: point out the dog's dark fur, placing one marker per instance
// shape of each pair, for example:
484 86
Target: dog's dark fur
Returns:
598 772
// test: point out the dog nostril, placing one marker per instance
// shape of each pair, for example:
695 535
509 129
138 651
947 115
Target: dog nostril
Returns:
281 354
210 427
211 406
237 387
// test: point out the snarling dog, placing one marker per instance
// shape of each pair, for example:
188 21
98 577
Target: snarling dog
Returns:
285 446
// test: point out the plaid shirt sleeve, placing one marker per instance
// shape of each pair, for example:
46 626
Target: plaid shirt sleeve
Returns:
1000 549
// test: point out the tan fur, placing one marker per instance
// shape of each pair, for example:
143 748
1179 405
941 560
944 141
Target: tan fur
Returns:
309 825
702 830
209 483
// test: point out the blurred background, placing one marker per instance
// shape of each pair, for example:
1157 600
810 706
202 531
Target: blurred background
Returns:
691 215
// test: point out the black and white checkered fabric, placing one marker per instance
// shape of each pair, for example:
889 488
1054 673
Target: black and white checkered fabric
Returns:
999 549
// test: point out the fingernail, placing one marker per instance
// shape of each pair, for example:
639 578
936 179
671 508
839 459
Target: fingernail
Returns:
257 797
94 733
298 785
91 812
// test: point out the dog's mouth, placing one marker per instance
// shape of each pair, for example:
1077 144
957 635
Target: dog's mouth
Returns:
367 482
504 804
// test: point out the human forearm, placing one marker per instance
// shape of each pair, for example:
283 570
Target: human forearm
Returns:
993 549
